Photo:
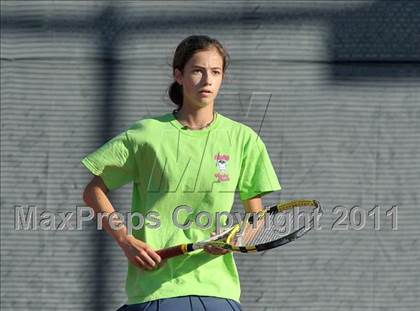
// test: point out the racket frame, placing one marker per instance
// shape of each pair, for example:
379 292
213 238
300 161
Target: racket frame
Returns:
229 234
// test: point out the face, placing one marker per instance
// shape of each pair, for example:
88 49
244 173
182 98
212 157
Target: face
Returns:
204 71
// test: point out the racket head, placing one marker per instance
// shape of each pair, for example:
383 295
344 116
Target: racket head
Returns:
264 232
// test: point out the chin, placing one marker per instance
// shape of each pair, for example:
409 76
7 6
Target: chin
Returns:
204 103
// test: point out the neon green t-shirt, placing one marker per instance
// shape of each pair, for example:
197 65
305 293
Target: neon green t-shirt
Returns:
171 165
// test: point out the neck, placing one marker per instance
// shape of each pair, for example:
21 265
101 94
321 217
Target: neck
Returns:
195 119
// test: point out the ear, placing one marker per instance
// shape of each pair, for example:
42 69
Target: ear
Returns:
178 76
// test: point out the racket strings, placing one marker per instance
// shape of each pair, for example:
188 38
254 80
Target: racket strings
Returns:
273 226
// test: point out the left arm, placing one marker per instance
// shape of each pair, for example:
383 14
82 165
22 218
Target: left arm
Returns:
253 205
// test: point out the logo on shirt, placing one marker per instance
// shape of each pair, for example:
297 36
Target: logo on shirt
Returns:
222 166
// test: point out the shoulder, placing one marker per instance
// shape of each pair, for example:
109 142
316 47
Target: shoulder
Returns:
150 123
240 131
148 128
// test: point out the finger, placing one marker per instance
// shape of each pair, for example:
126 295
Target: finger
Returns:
144 264
215 250
135 262
147 260
220 250
138 263
154 256
207 249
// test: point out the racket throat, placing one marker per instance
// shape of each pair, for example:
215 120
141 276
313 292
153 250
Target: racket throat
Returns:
194 246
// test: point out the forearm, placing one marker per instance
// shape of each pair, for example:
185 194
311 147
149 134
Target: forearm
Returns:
253 205
97 199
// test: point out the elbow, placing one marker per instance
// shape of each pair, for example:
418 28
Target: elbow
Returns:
93 189
87 194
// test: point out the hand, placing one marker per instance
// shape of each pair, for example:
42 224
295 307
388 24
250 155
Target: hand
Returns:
214 250
140 253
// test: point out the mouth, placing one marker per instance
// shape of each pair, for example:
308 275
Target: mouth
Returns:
205 93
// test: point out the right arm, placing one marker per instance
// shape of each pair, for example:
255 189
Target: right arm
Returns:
138 252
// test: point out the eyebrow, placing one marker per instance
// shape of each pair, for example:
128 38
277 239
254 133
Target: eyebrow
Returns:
195 66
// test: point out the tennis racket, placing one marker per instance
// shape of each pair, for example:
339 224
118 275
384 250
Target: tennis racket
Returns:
272 227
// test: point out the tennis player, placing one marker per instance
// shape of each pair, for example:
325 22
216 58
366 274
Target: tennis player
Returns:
193 157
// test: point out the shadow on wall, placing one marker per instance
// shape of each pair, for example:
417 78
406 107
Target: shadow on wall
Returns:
378 32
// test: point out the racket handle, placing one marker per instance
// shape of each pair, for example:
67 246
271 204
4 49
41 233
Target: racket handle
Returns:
173 251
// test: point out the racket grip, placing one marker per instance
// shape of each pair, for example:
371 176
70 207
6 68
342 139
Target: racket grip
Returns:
173 251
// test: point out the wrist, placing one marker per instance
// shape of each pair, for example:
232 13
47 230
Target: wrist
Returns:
124 239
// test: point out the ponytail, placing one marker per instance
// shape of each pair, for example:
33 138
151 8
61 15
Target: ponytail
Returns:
175 94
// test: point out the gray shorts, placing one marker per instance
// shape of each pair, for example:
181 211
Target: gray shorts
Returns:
185 303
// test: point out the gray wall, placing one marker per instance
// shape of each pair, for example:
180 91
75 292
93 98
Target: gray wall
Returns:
342 84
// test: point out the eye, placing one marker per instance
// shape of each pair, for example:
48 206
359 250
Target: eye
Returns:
216 72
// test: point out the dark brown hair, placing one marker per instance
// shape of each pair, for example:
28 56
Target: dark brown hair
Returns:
185 50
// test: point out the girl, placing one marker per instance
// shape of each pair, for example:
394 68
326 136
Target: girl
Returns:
193 157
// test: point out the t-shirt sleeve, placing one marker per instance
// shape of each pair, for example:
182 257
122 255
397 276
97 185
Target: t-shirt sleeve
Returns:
257 176
114 162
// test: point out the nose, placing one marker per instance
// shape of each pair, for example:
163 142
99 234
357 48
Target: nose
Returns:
207 79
